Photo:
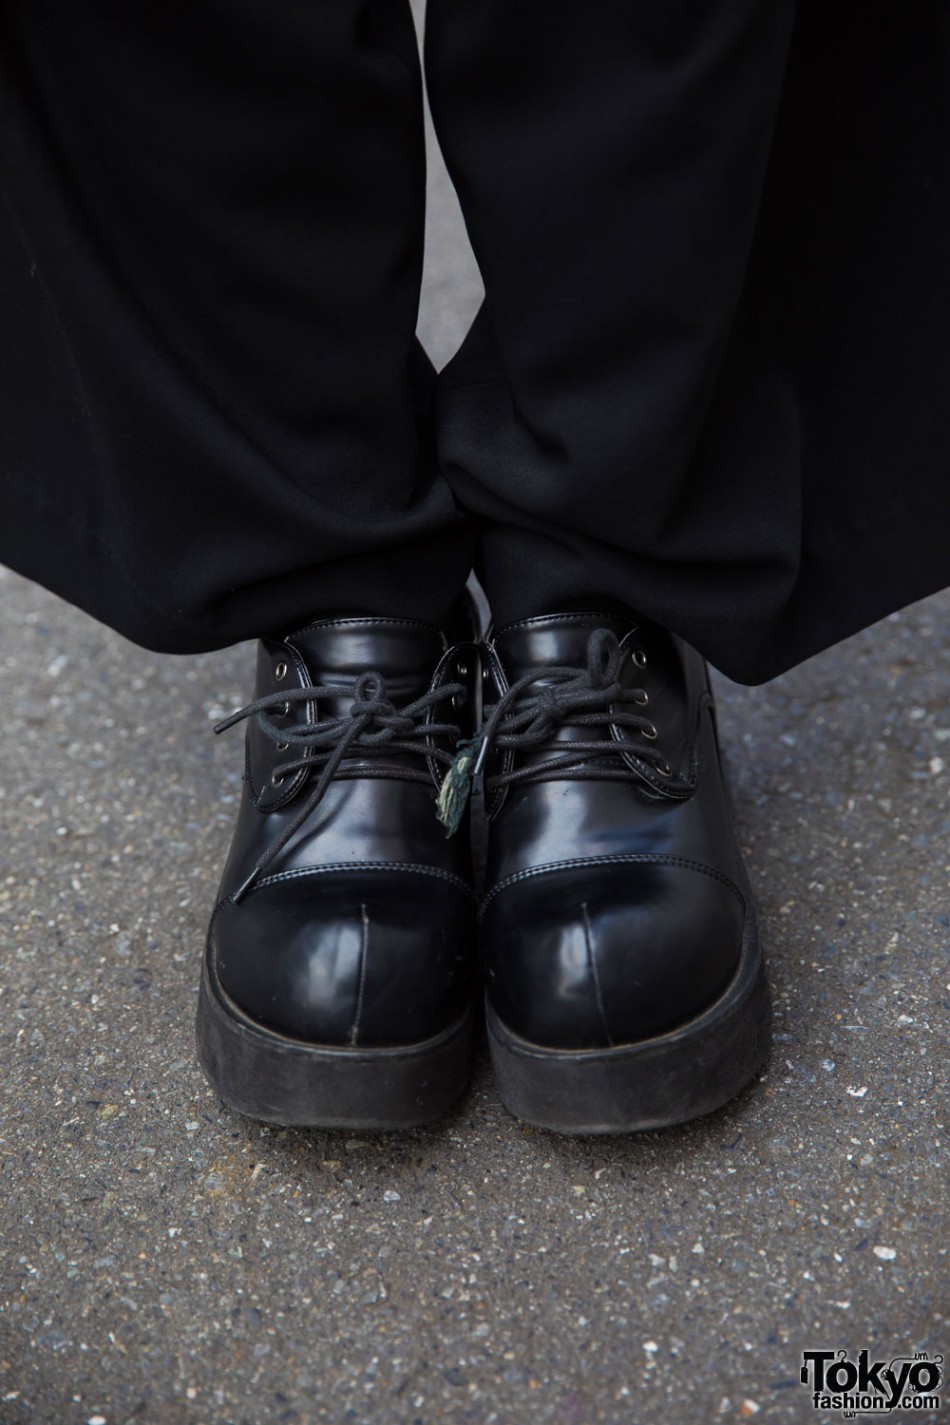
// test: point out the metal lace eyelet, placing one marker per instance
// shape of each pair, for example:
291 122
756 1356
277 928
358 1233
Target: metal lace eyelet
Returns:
641 697
650 732
283 710
280 671
463 670
276 779
486 673
639 657
282 746
664 769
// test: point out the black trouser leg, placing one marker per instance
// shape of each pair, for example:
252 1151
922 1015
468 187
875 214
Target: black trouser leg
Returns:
610 162
709 378
213 410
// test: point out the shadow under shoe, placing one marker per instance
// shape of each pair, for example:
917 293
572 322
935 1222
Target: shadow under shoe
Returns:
625 986
338 975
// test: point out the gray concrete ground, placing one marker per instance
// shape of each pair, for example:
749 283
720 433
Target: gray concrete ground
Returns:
166 1261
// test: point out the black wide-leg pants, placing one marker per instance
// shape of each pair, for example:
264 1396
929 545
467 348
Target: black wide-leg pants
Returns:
710 379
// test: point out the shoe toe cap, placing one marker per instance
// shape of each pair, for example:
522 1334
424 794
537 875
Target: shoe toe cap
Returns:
349 959
590 956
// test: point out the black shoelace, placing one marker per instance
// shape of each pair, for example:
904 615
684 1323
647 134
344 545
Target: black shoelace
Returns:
372 727
533 709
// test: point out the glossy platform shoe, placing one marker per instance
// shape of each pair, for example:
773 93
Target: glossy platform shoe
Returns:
338 978
625 985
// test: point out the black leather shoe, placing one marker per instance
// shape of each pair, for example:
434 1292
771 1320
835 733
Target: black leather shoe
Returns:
625 986
337 980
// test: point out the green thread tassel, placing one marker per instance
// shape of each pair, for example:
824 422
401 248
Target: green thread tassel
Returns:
456 785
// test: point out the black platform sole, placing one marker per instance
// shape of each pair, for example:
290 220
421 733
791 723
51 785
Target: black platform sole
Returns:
654 1083
281 1080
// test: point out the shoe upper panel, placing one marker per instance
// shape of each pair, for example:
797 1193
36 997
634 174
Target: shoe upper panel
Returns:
653 688
366 820
380 805
550 822
402 650
667 674
388 666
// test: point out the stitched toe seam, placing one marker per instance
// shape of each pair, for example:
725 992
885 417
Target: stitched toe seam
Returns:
363 867
631 858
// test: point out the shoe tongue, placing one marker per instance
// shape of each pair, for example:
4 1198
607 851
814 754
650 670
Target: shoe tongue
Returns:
339 650
555 640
